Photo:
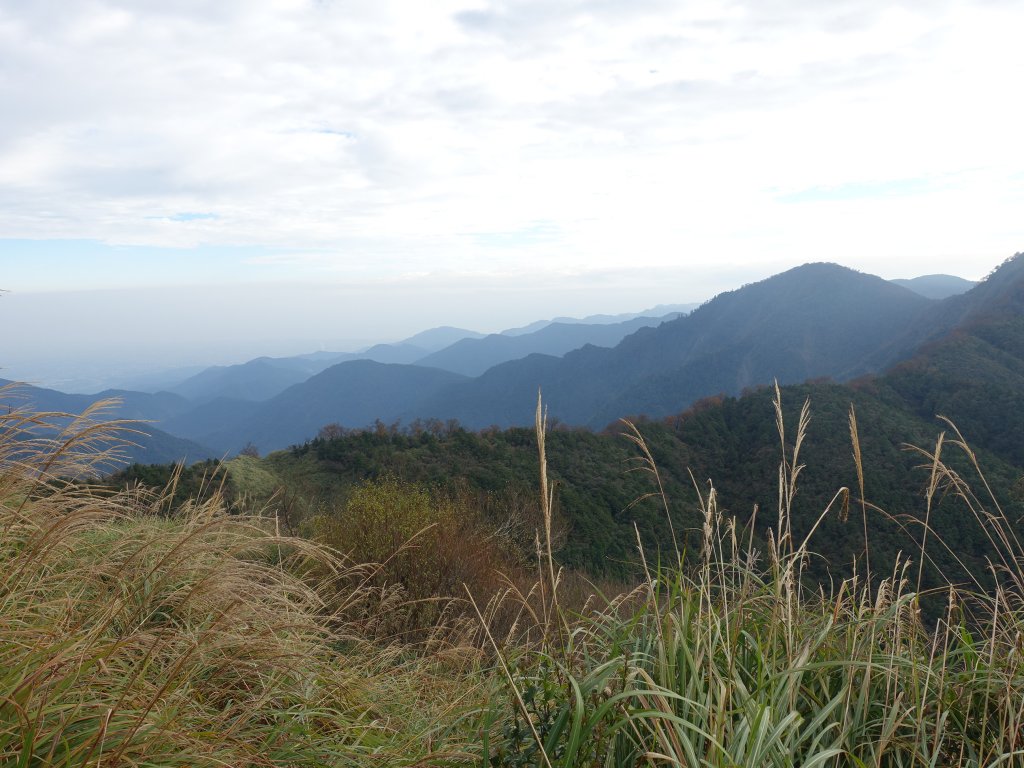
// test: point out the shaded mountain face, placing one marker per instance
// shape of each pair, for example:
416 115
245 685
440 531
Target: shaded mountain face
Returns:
471 357
257 379
937 286
973 372
352 394
818 320
145 443
208 422
143 406
262 378
999 294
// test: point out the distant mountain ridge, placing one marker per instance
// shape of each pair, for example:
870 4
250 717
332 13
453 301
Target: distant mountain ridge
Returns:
131 405
470 354
146 443
814 321
434 339
473 356
818 320
256 380
937 286
353 393
661 310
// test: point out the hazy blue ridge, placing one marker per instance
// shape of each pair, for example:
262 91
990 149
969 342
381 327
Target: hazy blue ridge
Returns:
815 321
471 357
937 286
660 310
258 379
214 423
818 320
143 442
130 405
434 339
354 394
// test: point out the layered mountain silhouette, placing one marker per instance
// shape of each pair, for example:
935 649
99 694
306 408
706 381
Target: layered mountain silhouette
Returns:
818 320
256 380
815 321
128 405
660 311
144 443
473 356
353 393
452 349
262 378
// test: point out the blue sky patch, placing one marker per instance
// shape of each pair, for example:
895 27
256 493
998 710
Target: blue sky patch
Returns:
192 216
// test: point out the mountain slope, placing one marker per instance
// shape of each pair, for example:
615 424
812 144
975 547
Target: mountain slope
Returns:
471 357
1001 293
256 379
975 373
818 320
434 339
353 394
143 406
207 421
156 446
145 444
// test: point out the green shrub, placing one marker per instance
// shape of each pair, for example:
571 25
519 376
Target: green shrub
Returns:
427 548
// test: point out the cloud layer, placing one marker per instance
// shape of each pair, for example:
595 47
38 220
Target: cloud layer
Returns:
359 139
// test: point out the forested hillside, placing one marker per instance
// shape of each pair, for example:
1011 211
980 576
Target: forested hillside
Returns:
973 375
602 488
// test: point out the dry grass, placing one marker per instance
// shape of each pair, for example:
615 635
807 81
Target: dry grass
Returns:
131 636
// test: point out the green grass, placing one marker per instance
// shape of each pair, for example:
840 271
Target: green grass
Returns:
726 659
137 631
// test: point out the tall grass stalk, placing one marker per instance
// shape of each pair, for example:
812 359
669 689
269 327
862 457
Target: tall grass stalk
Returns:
132 634
726 661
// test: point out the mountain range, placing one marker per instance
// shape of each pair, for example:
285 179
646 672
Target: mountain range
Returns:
453 349
146 443
970 368
818 320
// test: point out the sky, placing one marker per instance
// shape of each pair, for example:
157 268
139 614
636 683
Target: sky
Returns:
190 182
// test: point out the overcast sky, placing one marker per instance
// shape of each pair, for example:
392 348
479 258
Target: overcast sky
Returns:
486 163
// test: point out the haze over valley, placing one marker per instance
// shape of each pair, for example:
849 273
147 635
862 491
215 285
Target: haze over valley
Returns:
814 321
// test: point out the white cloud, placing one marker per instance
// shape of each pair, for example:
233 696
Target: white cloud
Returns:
388 138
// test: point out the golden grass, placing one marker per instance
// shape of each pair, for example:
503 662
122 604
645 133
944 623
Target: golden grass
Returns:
132 634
